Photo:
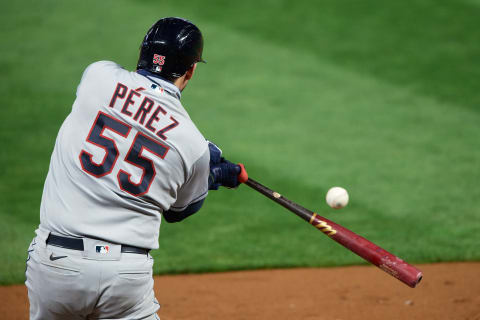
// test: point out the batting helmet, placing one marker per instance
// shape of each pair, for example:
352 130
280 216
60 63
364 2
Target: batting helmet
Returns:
170 48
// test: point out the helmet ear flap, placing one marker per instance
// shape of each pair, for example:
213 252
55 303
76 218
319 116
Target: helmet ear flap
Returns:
170 47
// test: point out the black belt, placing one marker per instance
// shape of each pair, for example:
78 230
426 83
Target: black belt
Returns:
77 244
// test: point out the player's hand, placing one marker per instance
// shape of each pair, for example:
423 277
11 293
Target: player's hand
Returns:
222 172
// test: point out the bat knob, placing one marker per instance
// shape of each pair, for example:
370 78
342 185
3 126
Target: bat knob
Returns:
243 175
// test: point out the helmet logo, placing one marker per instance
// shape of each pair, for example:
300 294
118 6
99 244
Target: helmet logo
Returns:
158 61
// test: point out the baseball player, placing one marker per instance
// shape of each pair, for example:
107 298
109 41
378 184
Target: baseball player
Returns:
127 154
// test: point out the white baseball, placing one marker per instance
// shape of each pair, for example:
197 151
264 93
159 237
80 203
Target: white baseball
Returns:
337 197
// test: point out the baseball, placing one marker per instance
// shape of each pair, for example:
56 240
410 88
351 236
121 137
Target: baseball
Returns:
337 197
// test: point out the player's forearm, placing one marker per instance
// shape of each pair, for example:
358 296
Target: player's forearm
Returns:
177 216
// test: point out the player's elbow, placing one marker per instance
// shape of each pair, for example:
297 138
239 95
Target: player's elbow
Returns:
172 216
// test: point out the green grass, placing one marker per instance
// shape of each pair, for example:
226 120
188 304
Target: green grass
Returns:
379 97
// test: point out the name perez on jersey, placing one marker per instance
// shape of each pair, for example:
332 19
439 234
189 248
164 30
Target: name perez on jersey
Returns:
140 111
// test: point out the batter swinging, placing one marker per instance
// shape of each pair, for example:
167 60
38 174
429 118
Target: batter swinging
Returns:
127 154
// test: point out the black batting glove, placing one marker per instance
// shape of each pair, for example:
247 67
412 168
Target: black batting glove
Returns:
224 174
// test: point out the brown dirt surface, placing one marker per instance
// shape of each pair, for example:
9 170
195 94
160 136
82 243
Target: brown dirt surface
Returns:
448 291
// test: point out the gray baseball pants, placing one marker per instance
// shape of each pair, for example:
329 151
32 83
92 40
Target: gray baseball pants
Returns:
89 284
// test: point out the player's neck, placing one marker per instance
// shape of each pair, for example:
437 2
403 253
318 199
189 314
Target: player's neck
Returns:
181 83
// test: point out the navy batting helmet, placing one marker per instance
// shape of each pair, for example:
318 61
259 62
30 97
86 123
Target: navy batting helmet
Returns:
170 48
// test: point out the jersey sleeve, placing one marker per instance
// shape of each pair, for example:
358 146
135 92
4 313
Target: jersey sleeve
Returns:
196 186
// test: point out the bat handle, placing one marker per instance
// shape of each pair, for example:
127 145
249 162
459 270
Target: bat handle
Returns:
243 175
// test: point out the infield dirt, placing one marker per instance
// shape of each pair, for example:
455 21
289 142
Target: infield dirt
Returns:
448 291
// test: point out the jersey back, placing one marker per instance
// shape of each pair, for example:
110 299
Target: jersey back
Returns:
127 152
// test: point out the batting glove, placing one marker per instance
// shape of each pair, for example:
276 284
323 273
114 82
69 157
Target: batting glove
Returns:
224 174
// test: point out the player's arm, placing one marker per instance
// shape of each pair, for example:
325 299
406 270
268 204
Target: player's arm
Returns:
177 216
221 172
191 195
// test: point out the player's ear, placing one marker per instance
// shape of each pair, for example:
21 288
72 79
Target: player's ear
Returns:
190 72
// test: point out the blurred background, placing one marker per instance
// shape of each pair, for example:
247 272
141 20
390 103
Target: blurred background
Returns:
379 97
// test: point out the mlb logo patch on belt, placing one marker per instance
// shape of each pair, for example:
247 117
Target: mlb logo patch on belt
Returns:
102 249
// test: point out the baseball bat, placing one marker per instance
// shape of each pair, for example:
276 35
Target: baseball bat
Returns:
366 249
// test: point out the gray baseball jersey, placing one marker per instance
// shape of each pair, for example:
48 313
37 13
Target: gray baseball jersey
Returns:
127 152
